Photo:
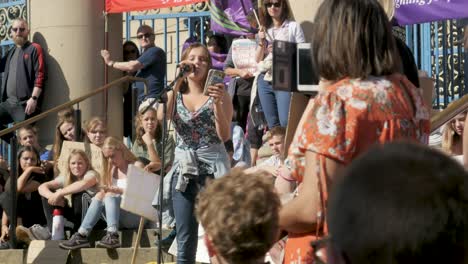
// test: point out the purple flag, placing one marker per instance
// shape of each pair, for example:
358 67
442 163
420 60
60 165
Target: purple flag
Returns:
231 17
420 11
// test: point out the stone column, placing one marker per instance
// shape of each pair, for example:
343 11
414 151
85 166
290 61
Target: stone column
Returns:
304 13
72 34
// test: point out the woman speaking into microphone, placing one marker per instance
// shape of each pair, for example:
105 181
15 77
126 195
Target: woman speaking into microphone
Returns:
202 122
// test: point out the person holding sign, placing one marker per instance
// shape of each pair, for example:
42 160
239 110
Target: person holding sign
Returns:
112 188
274 16
148 146
66 190
202 123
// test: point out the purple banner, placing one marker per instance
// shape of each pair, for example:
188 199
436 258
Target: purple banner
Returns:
420 11
231 17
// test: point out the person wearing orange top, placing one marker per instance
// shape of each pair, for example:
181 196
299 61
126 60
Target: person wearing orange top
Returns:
363 100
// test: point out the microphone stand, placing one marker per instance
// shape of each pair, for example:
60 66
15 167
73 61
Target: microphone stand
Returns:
162 99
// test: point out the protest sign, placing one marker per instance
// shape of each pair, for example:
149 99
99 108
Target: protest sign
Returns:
243 54
93 152
139 194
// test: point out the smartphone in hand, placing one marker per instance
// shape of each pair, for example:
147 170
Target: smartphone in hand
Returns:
214 77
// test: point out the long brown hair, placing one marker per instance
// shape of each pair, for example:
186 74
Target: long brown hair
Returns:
266 19
182 84
57 148
353 38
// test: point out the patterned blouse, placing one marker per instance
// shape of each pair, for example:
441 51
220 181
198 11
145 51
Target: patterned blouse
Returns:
196 129
347 118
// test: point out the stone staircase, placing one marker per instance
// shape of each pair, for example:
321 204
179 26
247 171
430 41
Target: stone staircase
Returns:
48 252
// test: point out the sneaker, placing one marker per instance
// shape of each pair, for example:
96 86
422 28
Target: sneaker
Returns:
167 241
75 242
40 232
4 245
110 240
24 234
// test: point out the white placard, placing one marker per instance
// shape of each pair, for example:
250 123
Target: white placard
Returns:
140 191
243 54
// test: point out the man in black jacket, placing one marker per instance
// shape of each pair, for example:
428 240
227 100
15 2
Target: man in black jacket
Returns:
23 77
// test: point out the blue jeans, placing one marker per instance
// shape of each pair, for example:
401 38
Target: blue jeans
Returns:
111 205
275 104
186 223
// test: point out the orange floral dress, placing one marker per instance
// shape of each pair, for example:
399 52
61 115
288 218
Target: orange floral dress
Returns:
345 120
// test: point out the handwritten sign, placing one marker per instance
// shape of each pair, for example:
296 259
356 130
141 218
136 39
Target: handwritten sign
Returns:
93 152
139 194
243 54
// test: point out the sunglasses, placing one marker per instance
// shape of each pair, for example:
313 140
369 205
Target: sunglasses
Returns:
20 29
146 35
268 5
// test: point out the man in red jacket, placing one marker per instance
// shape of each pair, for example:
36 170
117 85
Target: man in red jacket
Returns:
23 77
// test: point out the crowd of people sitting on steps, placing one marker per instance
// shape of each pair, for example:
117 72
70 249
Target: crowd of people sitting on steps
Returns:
357 182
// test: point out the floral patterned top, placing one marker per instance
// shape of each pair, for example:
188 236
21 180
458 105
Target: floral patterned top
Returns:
195 129
351 115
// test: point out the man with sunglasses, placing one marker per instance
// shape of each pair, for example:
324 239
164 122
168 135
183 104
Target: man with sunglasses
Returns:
151 65
23 77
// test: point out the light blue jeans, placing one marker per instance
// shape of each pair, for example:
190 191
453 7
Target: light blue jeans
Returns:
114 215
275 104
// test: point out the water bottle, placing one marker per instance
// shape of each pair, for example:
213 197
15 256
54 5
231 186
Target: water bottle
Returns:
58 225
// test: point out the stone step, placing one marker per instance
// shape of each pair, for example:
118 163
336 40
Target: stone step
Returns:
116 256
48 252
9 256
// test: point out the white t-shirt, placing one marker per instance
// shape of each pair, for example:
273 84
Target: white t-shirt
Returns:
88 175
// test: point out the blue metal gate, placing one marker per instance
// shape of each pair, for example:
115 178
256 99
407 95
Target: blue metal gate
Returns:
191 21
9 11
438 50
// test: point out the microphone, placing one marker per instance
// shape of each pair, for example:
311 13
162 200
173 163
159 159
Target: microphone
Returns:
184 68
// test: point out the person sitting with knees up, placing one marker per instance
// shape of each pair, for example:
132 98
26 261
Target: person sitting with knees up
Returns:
96 131
114 181
65 191
399 203
240 226
30 216
148 144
